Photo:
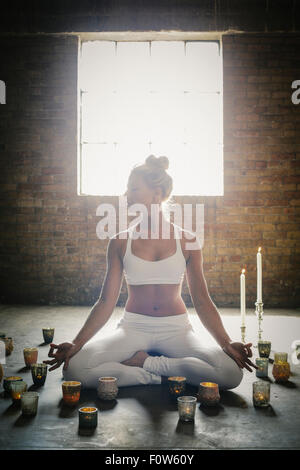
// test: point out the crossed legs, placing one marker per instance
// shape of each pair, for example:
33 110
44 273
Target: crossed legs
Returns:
181 353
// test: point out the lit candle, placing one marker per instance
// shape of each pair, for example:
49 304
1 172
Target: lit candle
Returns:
16 390
29 403
261 393
88 417
243 297
208 393
107 388
176 385
39 373
71 392
186 408
30 356
259 276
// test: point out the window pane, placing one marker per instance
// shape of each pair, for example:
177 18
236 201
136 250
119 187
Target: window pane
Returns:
202 66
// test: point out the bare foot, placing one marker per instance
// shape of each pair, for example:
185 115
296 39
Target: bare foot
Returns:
137 359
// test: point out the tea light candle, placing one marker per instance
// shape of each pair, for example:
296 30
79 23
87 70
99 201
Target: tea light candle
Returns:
107 388
176 385
280 357
30 356
29 403
71 392
208 393
186 408
39 373
48 334
264 348
262 363
88 417
7 381
16 390
281 372
261 393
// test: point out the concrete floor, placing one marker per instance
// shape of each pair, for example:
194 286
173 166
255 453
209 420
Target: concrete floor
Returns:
145 417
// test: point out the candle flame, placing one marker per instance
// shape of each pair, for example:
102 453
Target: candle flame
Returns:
259 249
243 271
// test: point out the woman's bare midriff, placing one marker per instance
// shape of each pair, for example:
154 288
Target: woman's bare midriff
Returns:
156 300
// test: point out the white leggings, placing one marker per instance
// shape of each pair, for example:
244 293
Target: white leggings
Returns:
179 352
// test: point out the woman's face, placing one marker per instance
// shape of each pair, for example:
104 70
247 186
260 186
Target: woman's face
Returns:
139 193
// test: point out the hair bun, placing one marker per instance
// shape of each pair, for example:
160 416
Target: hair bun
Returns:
157 162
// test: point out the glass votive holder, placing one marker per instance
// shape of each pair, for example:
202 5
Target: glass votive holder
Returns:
29 403
88 417
16 390
208 393
262 364
264 348
9 345
48 334
176 385
280 357
281 371
30 356
39 373
71 392
107 388
261 393
7 381
186 408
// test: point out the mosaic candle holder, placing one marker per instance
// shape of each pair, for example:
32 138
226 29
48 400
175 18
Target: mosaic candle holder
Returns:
107 388
71 392
261 393
187 408
29 403
16 390
7 381
208 393
177 385
264 348
88 417
9 345
262 364
30 356
280 357
39 373
48 334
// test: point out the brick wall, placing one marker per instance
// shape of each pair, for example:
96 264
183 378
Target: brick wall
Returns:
49 251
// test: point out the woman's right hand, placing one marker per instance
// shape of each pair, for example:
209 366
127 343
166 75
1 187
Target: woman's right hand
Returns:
63 354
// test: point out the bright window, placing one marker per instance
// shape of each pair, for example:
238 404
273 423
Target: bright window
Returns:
142 97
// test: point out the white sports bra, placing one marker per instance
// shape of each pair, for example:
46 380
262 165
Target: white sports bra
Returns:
164 271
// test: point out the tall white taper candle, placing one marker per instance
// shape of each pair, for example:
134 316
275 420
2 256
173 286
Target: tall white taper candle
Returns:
259 276
243 297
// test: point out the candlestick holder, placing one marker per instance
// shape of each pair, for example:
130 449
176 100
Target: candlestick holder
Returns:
259 313
243 331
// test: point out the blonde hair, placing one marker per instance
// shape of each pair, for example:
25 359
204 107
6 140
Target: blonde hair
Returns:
153 170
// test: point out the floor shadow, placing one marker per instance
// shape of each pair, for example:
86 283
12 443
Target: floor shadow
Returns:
23 369
211 410
287 384
186 428
86 431
35 388
24 421
44 344
12 409
266 411
228 398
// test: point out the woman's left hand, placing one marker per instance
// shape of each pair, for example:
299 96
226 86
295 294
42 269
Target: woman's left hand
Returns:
240 353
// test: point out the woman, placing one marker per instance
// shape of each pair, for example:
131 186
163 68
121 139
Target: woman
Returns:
155 318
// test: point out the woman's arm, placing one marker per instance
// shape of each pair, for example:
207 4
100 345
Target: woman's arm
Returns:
208 312
108 297
100 312
203 304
